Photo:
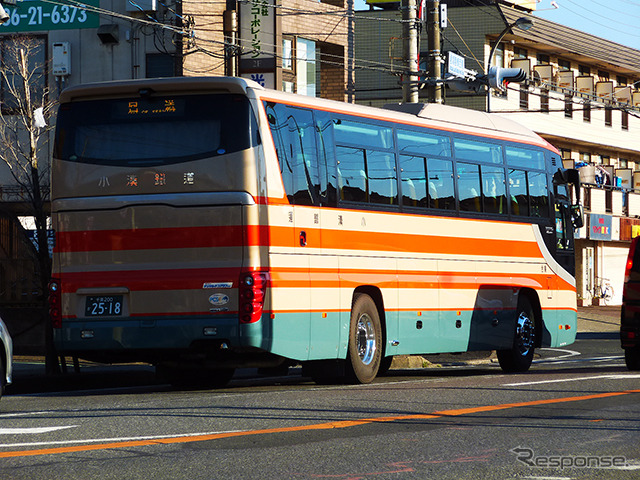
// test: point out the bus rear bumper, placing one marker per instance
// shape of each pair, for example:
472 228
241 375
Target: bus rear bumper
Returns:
155 340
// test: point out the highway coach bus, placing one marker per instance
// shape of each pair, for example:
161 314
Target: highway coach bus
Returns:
207 224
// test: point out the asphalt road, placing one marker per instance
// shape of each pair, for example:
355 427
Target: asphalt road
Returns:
575 414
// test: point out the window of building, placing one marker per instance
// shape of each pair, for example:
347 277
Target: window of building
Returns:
623 163
498 55
564 64
625 120
543 59
585 157
603 76
306 67
621 80
287 53
520 52
584 70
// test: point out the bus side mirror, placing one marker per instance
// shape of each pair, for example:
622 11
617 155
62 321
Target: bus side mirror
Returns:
577 216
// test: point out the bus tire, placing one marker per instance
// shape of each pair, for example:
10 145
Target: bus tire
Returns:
2 374
519 357
632 357
365 340
385 365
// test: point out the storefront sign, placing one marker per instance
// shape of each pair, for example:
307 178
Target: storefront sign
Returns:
37 16
599 227
258 41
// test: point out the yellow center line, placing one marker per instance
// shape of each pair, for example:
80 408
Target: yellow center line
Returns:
303 428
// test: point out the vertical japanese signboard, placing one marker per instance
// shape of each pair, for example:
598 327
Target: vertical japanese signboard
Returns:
258 41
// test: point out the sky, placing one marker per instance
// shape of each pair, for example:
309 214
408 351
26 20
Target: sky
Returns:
614 20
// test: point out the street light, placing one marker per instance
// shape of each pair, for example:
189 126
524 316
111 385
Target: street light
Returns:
523 23
4 16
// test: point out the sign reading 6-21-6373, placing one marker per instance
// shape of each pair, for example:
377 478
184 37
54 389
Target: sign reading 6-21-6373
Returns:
36 15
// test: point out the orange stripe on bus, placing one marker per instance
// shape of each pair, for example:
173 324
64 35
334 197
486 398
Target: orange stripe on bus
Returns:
255 235
314 426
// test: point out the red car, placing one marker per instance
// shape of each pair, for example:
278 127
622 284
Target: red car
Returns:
630 316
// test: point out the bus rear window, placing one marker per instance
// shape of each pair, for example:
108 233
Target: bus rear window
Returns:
155 130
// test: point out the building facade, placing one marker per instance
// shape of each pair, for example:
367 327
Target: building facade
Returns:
581 94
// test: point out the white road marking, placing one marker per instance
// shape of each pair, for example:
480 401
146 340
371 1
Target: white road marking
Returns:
20 414
32 430
548 478
112 440
540 382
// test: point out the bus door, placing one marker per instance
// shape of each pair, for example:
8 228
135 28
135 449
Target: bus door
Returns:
565 251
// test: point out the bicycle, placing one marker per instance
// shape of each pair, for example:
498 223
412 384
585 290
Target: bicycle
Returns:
603 290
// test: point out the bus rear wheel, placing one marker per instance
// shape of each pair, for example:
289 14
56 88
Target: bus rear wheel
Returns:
519 357
365 340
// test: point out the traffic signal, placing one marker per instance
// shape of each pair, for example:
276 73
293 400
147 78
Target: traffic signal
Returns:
498 77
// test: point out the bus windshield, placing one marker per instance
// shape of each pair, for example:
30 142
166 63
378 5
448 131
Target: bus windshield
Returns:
154 130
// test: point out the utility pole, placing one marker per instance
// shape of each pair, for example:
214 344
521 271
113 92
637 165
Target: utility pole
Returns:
434 70
230 25
410 51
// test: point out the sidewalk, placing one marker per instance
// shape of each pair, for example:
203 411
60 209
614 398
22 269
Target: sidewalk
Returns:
594 320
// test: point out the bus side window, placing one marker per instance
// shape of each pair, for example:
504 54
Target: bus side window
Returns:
518 193
352 178
441 189
414 181
326 158
494 191
539 194
277 116
304 159
293 135
381 173
469 187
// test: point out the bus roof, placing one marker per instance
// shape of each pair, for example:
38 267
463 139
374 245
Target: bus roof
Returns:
442 117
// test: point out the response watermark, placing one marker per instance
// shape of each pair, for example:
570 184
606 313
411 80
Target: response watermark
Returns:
529 458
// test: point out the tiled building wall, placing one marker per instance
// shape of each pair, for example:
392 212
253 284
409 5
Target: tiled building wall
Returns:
298 19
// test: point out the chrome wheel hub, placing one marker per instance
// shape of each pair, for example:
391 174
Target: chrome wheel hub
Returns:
525 334
365 339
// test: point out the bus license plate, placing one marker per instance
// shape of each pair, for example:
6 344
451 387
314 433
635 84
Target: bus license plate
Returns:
103 306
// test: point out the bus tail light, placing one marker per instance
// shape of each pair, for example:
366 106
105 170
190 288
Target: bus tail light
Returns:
629 264
55 303
251 293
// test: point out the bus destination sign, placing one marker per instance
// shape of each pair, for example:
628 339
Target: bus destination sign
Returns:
37 15
157 107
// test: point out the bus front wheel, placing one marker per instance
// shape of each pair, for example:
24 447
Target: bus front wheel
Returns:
365 340
519 357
